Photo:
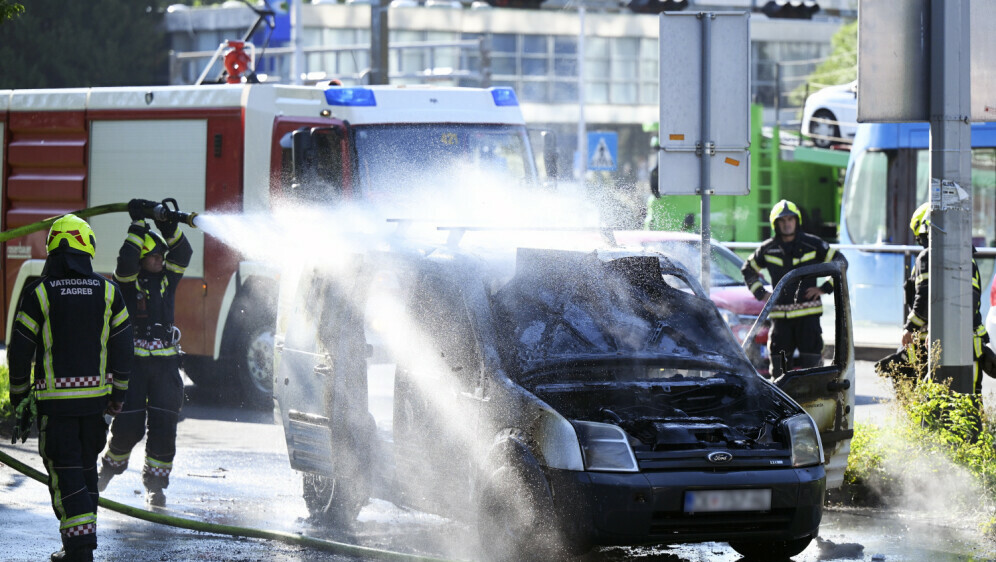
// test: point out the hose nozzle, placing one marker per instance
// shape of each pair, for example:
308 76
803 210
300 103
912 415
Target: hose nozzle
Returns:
163 212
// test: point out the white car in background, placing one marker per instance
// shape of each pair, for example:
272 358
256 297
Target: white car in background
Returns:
830 115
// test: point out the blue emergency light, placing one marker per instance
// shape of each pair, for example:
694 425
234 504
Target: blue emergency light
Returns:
350 96
504 96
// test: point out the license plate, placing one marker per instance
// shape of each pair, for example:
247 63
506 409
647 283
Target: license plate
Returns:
727 500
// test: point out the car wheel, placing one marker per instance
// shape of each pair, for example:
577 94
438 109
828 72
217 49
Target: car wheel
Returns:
333 502
771 550
823 128
249 336
515 517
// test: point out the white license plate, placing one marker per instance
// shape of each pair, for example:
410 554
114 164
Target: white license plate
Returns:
727 500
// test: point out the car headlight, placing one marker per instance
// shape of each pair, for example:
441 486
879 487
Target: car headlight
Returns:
807 449
605 447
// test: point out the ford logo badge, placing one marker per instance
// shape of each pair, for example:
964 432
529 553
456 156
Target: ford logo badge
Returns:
719 457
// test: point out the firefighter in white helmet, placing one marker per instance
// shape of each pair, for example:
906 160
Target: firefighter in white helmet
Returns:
796 316
149 270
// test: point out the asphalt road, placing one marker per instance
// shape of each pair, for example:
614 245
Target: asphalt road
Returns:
231 468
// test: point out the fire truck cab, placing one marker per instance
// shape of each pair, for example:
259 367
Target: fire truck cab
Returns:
237 148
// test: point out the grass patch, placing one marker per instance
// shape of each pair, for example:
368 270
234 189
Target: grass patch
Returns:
5 410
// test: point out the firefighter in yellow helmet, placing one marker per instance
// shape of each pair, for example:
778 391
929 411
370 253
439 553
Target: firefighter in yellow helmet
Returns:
917 292
149 270
796 316
73 325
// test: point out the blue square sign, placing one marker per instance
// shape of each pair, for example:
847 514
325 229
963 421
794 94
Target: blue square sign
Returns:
603 151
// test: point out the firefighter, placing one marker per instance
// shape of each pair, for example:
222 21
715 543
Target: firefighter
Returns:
796 316
149 270
917 292
74 325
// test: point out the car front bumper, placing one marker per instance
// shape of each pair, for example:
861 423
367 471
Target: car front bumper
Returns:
648 507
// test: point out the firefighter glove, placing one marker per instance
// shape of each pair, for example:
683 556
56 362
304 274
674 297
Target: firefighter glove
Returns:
139 209
167 227
988 361
25 412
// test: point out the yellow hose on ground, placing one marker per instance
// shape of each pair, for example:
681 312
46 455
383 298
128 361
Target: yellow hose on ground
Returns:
363 552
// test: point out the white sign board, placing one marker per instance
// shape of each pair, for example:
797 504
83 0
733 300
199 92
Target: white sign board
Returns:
682 72
894 60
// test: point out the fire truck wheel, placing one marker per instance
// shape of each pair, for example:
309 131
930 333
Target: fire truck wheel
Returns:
250 350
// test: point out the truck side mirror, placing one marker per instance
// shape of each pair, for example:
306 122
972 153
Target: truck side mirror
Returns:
550 153
303 156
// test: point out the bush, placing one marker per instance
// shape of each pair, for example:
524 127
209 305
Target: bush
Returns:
939 455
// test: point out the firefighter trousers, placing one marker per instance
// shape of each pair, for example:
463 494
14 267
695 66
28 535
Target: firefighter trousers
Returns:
789 334
155 395
69 446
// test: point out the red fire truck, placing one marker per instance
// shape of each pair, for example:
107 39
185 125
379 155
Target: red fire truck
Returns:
232 148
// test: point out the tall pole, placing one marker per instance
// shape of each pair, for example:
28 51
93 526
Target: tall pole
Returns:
582 128
297 60
379 61
951 304
708 147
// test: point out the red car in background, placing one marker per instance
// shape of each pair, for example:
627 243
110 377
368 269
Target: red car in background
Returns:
727 289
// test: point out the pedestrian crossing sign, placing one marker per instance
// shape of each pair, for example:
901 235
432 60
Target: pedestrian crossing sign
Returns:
603 151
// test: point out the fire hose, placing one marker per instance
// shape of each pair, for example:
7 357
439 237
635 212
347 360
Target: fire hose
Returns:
363 552
165 211
168 211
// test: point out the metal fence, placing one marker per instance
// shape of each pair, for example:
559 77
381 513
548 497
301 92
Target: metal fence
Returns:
410 62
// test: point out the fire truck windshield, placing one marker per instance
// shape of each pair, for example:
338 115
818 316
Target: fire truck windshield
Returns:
408 160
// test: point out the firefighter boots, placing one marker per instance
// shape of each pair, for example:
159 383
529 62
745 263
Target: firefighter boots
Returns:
155 498
82 554
104 476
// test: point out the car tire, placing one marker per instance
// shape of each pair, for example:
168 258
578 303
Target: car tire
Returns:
516 519
332 502
821 132
771 550
249 350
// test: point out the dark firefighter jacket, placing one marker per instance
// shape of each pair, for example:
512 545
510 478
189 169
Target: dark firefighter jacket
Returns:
781 257
75 327
918 300
150 296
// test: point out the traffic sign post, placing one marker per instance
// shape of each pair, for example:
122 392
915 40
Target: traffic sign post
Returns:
696 157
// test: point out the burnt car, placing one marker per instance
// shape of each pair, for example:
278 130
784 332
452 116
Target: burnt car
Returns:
563 399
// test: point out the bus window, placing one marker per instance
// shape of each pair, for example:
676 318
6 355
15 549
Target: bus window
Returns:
865 209
983 192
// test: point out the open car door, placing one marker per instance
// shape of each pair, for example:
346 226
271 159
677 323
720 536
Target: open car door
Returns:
826 391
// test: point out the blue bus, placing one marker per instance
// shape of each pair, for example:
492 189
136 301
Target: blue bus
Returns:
887 179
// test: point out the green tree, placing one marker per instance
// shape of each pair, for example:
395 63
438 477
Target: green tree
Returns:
841 66
59 44
9 10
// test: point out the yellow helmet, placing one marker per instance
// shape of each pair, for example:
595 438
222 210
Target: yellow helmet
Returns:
784 208
71 233
920 223
153 244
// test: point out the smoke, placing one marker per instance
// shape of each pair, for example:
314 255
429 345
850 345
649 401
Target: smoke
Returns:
920 478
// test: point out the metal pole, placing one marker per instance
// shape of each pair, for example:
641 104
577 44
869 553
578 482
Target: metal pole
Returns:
297 60
950 311
705 134
379 62
582 128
